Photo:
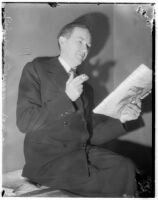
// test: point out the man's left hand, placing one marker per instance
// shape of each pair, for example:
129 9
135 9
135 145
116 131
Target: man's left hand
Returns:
131 111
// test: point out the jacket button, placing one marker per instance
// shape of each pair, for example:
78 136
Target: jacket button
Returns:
84 145
65 145
65 123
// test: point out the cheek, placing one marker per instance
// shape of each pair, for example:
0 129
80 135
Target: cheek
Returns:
71 47
70 51
86 53
74 50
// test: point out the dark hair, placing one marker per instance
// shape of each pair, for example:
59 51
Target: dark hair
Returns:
67 29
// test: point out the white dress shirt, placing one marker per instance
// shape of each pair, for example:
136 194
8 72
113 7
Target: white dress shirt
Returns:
64 64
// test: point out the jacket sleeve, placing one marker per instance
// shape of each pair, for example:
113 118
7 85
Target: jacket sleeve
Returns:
31 113
107 130
102 128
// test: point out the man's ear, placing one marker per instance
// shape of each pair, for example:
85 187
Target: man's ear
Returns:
62 41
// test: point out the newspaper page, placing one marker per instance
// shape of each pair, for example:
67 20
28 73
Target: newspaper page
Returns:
137 85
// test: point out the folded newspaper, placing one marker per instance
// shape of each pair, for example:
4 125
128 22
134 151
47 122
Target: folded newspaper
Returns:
137 85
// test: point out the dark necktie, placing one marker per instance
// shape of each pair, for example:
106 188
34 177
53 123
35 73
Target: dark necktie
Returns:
72 71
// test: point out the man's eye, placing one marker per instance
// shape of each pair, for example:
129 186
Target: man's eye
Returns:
79 41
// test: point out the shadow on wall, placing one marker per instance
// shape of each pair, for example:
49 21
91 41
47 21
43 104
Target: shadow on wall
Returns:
99 26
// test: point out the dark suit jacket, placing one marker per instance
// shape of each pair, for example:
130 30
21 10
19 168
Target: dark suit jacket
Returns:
57 130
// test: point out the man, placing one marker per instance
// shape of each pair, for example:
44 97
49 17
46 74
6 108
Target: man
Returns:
53 110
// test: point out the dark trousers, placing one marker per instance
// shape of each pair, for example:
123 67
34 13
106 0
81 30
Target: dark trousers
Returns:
111 175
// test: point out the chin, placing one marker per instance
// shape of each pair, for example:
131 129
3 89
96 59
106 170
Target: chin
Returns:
77 64
80 62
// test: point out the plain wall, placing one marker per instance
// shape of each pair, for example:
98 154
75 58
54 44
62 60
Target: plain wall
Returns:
31 30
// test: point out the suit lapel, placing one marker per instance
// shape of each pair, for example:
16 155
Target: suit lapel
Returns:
59 76
57 73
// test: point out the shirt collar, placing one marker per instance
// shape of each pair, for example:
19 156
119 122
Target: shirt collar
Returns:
64 64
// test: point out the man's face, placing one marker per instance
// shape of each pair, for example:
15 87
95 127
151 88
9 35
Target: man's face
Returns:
74 49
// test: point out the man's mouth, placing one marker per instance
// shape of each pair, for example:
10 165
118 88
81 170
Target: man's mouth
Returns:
81 56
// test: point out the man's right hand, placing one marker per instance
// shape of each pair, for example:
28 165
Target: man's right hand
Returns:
74 86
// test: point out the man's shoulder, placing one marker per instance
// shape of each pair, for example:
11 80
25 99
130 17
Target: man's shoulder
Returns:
44 59
40 63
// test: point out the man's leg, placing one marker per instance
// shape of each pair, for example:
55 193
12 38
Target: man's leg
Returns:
111 175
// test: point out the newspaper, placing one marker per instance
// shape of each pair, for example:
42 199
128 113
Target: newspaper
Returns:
137 85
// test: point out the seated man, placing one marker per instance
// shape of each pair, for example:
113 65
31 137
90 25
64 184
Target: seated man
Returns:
60 146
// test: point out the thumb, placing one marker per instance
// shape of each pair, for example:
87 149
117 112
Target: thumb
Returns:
70 78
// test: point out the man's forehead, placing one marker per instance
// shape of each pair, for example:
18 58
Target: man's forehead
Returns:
82 33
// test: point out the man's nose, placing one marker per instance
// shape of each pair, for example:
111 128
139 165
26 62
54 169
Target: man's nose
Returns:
84 48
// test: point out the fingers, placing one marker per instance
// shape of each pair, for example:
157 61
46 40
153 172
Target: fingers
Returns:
80 79
134 107
129 115
131 111
74 86
137 102
70 78
80 87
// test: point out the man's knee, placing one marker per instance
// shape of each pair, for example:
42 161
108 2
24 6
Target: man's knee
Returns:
127 164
